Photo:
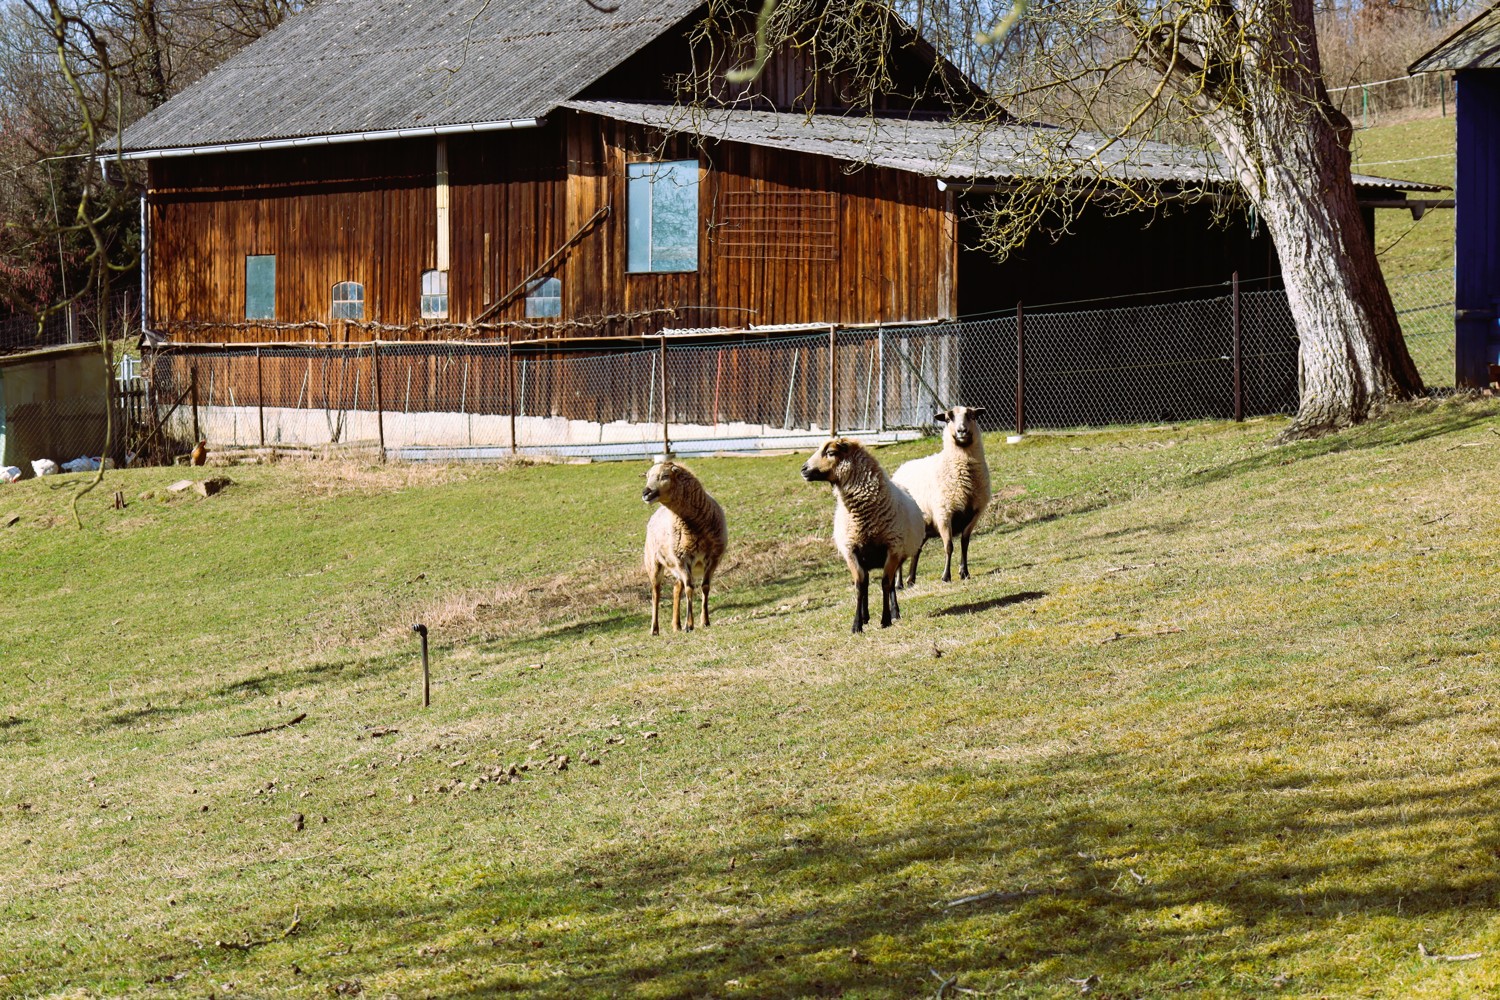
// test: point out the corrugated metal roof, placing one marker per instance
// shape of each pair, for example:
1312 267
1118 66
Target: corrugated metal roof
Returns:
348 66
1474 46
945 149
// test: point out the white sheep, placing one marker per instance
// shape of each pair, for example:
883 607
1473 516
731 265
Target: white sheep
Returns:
686 536
952 487
875 522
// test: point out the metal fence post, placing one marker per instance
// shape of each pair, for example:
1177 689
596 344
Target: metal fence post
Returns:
880 385
1020 370
833 381
510 384
1239 388
193 391
666 441
260 397
379 400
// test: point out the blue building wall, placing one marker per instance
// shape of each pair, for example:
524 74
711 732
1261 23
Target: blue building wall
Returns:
1477 237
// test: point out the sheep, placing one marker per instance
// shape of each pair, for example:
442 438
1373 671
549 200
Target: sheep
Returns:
875 522
952 487
686 536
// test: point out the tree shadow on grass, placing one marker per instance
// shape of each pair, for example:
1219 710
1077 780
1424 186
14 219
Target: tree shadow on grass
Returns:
1404 428
836 910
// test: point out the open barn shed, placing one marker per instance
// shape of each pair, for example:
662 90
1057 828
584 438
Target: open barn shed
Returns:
529 175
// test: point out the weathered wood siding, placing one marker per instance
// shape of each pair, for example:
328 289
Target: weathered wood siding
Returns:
783 237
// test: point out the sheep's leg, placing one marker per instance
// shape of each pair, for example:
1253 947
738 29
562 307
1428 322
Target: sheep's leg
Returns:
911 579
861 598
656 599
888 580
947 537
963 523
677 604
690 591
706 578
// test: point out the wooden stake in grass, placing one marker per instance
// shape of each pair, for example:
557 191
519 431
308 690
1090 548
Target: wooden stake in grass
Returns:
421 630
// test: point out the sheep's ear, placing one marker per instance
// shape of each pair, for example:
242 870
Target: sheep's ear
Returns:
942 417
977 412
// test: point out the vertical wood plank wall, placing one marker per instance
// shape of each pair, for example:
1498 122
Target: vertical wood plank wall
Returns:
367 213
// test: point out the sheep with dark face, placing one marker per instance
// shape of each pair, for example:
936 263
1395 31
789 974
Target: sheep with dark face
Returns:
876 524
952 487
686 536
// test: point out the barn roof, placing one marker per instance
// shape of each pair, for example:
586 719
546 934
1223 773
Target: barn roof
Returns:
1474 46
942 149
356 66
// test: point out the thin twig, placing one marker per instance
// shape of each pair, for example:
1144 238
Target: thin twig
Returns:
1138 635
943 984
247 944
999 895
272 729
1469 957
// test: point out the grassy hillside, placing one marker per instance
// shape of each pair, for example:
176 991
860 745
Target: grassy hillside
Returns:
1419 150
1212 718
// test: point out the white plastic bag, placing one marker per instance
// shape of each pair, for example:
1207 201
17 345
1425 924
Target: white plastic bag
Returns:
44 467
9 473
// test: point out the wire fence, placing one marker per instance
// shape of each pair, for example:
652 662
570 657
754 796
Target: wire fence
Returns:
75 323
1367 104
1218 357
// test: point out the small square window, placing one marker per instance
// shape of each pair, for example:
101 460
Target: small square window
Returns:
434 294
544 298
260 286
662 209
348 300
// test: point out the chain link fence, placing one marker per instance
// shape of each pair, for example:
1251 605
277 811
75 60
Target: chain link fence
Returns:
1424 305
1063 366
75 323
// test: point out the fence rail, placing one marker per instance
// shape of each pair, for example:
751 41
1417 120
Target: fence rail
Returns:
1223 356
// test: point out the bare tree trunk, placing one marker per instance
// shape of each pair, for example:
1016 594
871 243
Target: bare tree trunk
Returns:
1257 83
1352 356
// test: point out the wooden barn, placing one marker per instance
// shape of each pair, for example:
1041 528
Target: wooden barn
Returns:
386 171
1473 54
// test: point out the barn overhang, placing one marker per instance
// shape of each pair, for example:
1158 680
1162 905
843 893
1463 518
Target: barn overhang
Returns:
329 140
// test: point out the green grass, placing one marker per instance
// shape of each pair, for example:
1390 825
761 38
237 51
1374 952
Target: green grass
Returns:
1411 250
1211 718
1418 150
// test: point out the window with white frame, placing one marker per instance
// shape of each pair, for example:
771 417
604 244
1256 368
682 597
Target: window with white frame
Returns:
662 202
434 294
348 300
544 298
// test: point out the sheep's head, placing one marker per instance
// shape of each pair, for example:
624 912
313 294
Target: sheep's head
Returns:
661 480
823 464
962 424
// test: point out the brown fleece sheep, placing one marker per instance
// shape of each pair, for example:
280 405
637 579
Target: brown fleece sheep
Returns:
686 536
875 522
952 487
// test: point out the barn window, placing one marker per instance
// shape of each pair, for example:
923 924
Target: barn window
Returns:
260 286
348 300
544 298
663 216
434 294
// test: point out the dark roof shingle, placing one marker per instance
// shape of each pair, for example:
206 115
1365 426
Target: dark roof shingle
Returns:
943 149
349 66
1474 46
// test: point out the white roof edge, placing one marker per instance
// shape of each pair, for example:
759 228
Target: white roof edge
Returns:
328 140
